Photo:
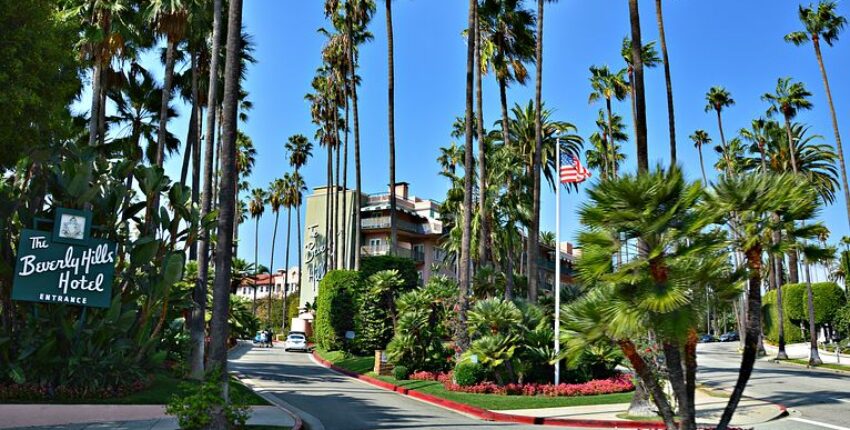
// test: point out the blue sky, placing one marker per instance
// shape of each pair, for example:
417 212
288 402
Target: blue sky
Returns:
735 44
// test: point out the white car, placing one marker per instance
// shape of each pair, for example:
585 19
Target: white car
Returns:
295 342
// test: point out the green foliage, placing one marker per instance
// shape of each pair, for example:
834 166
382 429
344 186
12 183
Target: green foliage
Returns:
335 308
770 315
467 373
424 321
401 372
194 411
794 302
277 311
377 313
842 320
39 79
829 298
406 269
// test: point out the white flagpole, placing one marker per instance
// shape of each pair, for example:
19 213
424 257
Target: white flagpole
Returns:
557 285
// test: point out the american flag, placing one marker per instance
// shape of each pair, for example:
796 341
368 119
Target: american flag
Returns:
571 170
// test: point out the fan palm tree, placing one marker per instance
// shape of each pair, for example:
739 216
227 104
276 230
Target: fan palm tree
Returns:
758 134
275 198
758 203
718 98
653 290
789 99
461 336
300 150
391 122
171 19
199 294
640 97
605 155
293 190
256 207
227 203
733 157
607 86
823 23
701 138
650 59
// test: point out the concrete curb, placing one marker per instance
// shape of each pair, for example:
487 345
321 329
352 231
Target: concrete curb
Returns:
299 423
789 363
488 415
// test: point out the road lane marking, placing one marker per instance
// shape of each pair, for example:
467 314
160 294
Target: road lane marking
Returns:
843 400
817 423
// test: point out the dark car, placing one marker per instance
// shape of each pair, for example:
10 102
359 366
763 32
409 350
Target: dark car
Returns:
706 338
729 337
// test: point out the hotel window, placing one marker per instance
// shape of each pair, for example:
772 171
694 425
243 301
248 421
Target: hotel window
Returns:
374 243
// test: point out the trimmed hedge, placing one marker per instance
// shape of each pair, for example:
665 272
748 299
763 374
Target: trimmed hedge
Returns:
770 316
794 302
828 299
335 308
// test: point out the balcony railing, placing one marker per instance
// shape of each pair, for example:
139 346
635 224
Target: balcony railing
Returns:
384 222
373 251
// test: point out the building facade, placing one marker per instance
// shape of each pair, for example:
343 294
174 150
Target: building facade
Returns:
270 284
419 230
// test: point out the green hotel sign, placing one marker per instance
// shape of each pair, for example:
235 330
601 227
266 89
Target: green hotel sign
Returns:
66 265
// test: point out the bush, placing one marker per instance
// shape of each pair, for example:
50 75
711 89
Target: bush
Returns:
828 300
616 384
194 411
405 266
794 302
335 308
770 317
401 372
467 373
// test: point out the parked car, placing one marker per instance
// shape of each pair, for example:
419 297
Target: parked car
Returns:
257 338
729 337
295 341
706 338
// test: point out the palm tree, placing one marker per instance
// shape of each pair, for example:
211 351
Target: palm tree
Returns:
482 60
276 199
199 294
758 135
461 335
671 118
788 99
607 85
391 123
650 59
227 203
700 138
246 156
639 93
293 194
256 207
538 148
606 156
300 150
171 20
824 23
753 204
717 98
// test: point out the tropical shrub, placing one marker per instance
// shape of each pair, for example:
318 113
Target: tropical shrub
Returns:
406 269
770 314
376 315
467 373
401 372
842 320
424 320
335 308
194 411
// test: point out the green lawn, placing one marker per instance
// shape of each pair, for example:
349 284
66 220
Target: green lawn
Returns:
486 401
832 366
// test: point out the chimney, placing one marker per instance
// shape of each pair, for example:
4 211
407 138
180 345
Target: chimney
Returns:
569 248
401 190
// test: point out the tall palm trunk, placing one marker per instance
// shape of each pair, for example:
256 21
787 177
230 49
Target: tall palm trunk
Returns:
780 300
643 370
702 165
612 149
256 263
670 116
286 266
199 294
357 185
96 83
484 254
271 266
219 331
534 230
166 99
329 211
196 153
338 255
346 261
298 227
839 147
190 144
391 124
723 140
640 97
461 333
752 334
793 262
101 120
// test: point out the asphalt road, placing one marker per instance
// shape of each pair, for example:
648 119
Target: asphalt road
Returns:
816 399
327 400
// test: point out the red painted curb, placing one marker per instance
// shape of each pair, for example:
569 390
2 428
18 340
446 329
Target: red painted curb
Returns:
488 415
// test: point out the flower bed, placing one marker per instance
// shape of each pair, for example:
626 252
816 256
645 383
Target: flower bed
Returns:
618 384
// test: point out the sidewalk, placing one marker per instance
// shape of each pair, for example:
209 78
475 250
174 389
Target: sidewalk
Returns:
125 417
801 351
709 409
